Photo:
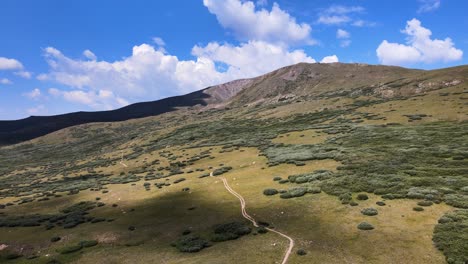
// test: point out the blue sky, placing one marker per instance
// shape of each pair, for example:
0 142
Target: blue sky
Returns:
60 56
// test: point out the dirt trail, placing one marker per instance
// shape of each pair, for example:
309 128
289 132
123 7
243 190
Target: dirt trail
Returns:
251 219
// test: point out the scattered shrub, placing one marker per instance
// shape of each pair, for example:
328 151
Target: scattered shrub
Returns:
276 178
88 243
369 211
362 197
380 203
230 231
425 203
179 180
418 209
365 226
191 243
301 252
70 249
353 203
262 230
270 191
314 189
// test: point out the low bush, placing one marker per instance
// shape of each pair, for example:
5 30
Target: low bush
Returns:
294 192
380 203
365 226
418 209
425 203
55 239
262 230
301 252
362 197
276 178
88 243
314 189
70 249
191 243
230 231
270 191
369 211
179 180
450 236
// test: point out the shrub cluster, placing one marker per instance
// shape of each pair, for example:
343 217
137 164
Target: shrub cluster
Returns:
365 226
270 191
294 192
230 231
190 243
369 211
450 236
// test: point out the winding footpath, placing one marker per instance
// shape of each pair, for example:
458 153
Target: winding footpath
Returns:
251 219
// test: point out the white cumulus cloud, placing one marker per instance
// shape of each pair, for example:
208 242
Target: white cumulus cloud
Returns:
10 64
151 73
330 59
419 48
248 23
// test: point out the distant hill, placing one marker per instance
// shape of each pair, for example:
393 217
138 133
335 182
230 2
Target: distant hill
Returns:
300 81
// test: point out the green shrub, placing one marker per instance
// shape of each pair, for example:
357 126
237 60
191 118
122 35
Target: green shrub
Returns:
301 252
450 236
70 249
270 191
262 230
191 243
425 203
380 203
362 197
365 226
314 189
88 243
345 198
418 209
277 178
179 180
294 192
230 231
55 239
353 203
369 211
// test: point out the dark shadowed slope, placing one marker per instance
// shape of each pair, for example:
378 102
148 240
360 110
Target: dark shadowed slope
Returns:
35 126
16 131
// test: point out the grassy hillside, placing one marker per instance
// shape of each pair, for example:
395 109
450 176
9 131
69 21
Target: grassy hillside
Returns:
393 154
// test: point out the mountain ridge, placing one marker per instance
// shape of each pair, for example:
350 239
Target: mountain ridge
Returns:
301 81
